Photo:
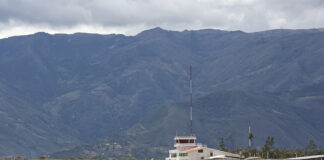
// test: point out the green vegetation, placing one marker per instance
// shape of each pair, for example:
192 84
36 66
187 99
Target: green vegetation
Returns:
61 91
215 116
269 151
221 144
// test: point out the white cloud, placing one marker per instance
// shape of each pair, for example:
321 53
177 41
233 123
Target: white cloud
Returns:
132 16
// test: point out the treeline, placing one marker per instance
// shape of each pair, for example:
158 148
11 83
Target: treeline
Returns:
268 150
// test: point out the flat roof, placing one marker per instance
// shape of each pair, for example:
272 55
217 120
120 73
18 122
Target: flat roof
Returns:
217 157
308 157
219 152
185 137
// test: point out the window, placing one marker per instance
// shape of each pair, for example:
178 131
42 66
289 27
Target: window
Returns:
183 154
200 151
211 154
192 141
173 155
184 141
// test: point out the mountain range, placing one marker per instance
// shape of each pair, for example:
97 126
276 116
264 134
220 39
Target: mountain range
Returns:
117 96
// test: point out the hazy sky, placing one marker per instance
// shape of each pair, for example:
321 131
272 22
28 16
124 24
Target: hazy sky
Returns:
132 16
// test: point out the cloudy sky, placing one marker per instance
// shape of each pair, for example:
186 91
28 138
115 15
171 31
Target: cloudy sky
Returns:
18 17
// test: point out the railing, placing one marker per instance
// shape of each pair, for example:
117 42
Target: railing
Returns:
185 137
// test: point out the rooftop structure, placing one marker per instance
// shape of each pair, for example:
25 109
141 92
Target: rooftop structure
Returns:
186 147
185 142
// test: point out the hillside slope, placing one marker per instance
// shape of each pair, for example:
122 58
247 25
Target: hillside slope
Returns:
228 112
217 115
89 87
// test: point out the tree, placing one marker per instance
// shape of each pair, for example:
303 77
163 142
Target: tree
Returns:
250 138
229 137
268 146
275 153
286 153
269 141
221 144
299 152
42 157
311 148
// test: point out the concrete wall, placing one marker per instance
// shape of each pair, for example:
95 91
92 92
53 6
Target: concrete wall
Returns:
195 155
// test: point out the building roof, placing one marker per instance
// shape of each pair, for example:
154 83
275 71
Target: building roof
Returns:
217 157
185 137
192 149
307 157
219 152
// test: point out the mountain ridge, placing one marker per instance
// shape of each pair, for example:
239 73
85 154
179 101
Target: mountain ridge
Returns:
89 87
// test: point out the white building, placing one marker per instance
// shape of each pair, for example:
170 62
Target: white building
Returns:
186 148
321 157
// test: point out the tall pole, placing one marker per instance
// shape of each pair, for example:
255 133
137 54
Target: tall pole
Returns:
190 100
250 136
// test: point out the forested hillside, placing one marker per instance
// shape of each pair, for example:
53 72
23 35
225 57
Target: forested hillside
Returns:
62 90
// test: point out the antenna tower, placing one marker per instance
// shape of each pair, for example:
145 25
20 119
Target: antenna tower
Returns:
190 100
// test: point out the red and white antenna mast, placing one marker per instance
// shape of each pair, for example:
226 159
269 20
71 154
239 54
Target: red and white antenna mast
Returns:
190 100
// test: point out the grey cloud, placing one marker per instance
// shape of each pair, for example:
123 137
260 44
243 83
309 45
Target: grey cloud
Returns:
58 12
247 15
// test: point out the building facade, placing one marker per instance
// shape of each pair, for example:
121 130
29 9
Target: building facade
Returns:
186 148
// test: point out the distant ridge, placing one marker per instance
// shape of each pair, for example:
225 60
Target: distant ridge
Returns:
65 90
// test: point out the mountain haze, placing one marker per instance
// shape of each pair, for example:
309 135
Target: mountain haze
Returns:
66 90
